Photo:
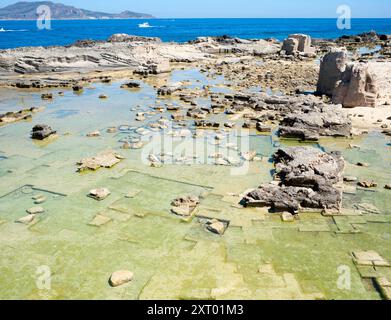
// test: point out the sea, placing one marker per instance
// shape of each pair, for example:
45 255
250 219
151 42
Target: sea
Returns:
15 34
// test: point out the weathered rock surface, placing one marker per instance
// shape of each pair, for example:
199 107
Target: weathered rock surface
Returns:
298 43
184 206
41 132
99 194
25 114
323 121
104 160
354 84
307 177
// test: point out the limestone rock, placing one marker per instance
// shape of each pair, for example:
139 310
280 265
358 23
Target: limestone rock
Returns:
104 160
216 226
307 179
297 43
121 277
332 66
287 217
99 194
41 132
35 210
354 84
27 219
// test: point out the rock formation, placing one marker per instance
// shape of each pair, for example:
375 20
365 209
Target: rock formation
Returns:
306 180
41 132
297 43
354 84
309 124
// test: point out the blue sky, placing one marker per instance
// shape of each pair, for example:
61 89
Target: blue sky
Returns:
236 8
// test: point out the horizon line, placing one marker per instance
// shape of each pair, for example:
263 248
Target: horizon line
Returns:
183 18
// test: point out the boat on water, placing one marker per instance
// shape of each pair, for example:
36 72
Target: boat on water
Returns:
144 25
2 30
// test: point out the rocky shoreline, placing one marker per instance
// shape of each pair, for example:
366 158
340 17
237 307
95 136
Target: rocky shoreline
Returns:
317 89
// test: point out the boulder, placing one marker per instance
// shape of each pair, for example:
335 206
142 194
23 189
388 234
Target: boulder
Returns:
41 132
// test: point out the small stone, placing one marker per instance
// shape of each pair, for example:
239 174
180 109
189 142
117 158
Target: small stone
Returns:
216 227
262 128
99 194
367 184
363 164
103 96
387 186
26 220
40 200
350 179
93 134
248 156
121 277
112 130
35 210
47 96
287 217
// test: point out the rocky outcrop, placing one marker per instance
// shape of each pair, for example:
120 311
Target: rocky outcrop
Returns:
123 37
354 84
25 114
306 179
332 67
297 44
309 124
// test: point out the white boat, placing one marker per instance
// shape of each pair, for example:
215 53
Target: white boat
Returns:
144 25
2 30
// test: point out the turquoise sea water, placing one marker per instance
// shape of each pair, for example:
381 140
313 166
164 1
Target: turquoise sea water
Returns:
25 33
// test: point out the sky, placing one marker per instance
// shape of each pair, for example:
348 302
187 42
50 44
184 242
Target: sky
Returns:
235 8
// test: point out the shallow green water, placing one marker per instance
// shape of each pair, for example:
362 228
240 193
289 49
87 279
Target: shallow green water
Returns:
259 257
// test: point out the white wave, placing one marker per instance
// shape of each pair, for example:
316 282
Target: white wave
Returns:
5 30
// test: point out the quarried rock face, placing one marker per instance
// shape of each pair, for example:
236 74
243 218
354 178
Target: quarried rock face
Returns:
354 84
307 177
332 67
297 43
357 87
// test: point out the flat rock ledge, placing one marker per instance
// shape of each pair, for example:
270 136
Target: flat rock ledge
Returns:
305 178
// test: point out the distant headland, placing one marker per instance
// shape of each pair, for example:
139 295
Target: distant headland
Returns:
28 11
